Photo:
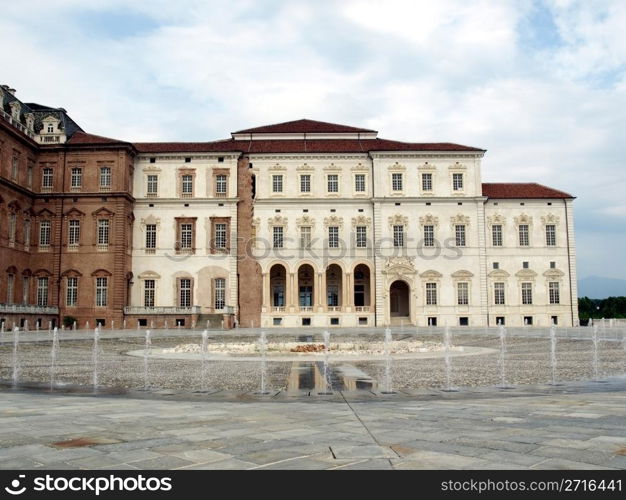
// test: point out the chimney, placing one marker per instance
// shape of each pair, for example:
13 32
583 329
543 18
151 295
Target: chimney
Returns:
8 89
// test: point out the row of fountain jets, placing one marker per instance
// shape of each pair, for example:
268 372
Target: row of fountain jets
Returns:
327 388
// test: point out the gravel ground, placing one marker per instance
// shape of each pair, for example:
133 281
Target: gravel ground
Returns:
527 362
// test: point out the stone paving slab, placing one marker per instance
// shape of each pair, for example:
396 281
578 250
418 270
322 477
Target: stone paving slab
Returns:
578 428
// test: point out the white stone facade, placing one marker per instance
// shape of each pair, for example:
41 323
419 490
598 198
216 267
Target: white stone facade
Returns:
161 206
359 238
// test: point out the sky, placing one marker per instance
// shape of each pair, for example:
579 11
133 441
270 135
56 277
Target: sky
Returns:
540 84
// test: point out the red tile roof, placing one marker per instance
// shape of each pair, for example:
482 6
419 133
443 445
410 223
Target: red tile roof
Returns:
84 138
298 146
225 146
303 126
521 190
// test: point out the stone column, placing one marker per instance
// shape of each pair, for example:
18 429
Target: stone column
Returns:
290 292
348 296
266 292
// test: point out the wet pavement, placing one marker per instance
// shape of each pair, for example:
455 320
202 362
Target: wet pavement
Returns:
578 425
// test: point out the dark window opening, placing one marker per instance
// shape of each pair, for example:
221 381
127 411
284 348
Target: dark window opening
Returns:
334 321
463 321
306 321
143 322
362 321
101 322
500 320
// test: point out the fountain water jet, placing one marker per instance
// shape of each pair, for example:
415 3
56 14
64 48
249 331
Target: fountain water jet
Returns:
54 353
95 358
204 350
595 338
124 324
146 355
327 389
388 389
87 325
502 358
553 360
74 326
2 327
447 343
262 349
15 360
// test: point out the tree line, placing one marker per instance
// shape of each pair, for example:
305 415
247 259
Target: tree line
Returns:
611 307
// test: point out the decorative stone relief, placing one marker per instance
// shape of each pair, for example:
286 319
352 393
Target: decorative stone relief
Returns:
550 219
459 219
277 220
333 220
361 220
398 220
305 220
429 220
496 219
523 219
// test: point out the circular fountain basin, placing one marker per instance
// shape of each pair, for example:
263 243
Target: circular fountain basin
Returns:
307 351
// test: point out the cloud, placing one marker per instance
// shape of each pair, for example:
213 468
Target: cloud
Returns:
540 84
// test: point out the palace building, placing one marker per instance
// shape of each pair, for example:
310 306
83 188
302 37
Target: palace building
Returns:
303 223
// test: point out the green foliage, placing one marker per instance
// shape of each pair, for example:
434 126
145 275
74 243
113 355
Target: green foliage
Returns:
611 307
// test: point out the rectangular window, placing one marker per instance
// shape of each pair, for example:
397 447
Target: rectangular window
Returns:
220 235
103 232
73 233
44 233
305 183
431 294
398 236
14 168
184 292
152 185
498 294
10 287
305 237
427 182
26 234
462 294
359 183
101 291
187 185
42 291
457 182
186 236
221 185
551 235
151 237
25 290
459 231
361 236
220 293
555 294
278 237
429 236
277 183
527 293
333 236
105 178
396 182
333 183
46 179
76 178
332 295
71 294
524 239
148 293
12 228
496 235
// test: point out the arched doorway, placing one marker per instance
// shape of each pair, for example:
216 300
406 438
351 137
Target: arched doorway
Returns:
334 288
278 282
362 293
399 299
306 276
